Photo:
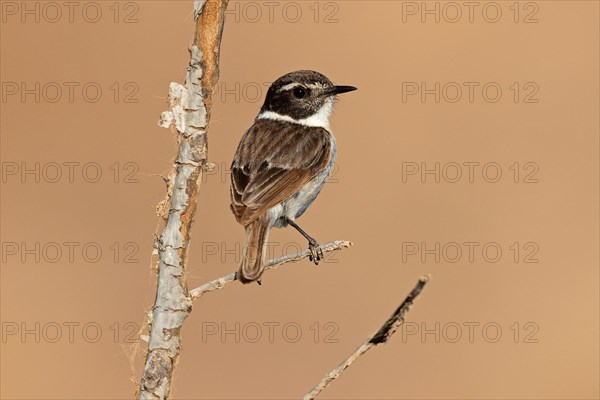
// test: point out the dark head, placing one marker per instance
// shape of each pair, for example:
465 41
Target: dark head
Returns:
302 94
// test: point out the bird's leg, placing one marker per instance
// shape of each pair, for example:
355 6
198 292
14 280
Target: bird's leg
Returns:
316 253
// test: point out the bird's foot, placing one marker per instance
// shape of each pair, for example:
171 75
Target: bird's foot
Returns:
316 253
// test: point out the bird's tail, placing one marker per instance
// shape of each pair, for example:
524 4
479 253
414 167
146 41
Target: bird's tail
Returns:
253 257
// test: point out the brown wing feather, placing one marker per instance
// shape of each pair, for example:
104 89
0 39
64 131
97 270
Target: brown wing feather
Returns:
273 161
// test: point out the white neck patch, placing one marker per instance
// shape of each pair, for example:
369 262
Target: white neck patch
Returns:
320 119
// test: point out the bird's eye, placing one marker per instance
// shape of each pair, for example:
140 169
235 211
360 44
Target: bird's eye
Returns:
299 92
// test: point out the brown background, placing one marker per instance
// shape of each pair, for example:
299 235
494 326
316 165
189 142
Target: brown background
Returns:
555 356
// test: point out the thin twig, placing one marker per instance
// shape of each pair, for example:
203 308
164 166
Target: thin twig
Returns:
271 264
379 337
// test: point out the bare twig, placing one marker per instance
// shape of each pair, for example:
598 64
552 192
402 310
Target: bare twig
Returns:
271 264
381 336
189 111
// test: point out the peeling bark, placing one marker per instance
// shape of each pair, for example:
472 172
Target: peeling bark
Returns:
189 114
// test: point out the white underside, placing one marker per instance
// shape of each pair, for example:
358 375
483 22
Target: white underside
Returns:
303 198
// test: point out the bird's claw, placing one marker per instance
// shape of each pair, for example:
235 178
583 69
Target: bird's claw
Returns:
316 253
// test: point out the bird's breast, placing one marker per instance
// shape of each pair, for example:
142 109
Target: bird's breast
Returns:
298 203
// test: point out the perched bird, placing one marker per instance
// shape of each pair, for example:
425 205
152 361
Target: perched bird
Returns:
282 162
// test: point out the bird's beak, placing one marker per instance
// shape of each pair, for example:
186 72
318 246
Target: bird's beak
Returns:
340 89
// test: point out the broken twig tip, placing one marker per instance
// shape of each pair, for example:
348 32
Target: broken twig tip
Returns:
382 336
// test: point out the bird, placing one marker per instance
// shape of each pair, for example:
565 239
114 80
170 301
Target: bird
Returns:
282 162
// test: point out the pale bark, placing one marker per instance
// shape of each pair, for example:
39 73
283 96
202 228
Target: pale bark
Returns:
271 264
189 111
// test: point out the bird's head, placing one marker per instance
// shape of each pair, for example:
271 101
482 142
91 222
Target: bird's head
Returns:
303 94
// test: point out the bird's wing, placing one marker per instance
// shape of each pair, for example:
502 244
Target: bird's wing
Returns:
273 161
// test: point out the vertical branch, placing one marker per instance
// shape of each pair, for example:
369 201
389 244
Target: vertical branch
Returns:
209 31
189 113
